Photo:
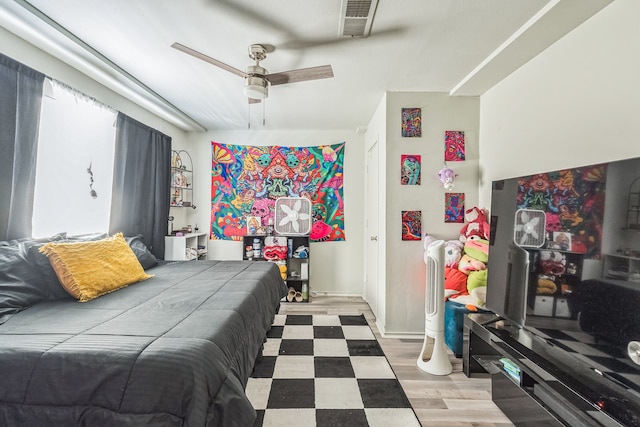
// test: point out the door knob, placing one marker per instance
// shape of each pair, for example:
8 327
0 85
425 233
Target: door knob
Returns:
374 238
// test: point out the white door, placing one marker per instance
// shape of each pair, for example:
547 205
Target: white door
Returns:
371 291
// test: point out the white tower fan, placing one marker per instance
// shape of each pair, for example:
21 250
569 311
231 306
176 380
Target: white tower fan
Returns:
433 357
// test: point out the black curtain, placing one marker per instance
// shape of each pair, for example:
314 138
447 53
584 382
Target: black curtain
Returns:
20 102
141 180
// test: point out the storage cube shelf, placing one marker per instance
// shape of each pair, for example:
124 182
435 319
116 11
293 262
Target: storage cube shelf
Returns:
297 266
554 304
621 267
190 246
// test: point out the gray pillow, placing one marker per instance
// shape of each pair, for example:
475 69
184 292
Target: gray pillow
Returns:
21 279
144 255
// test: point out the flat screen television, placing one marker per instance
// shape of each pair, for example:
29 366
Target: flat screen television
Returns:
575 292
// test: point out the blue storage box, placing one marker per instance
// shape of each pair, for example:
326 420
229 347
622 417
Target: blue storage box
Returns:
453 325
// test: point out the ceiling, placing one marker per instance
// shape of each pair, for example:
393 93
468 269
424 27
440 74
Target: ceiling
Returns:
462 47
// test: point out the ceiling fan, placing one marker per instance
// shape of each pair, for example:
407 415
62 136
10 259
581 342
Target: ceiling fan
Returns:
257 79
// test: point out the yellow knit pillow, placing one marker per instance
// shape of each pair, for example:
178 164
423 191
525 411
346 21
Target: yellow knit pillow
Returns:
90 269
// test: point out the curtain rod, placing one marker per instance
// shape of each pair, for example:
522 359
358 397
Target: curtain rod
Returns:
121 81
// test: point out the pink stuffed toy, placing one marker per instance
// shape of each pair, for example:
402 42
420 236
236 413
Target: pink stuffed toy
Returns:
447 176
476 227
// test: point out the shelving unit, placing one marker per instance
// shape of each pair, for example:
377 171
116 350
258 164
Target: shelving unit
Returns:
181 180
191 246
554 304
297 268
621 267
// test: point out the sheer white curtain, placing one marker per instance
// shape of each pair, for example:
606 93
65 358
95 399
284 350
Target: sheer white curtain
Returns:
75 164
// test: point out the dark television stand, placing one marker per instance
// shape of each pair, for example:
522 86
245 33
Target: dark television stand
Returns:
535 397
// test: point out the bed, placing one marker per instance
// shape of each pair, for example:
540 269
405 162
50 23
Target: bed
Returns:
173 350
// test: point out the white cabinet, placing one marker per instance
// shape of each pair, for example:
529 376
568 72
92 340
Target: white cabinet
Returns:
190 246
621 267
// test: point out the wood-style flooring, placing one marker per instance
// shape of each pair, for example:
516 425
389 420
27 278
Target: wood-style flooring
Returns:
438 401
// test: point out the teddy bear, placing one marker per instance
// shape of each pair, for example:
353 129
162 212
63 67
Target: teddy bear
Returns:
476 227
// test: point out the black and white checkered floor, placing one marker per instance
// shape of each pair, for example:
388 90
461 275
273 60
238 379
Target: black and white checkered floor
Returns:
326 370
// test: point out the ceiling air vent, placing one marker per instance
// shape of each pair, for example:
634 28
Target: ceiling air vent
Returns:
356 17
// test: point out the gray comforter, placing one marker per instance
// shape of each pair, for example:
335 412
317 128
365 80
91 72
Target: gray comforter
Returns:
174 350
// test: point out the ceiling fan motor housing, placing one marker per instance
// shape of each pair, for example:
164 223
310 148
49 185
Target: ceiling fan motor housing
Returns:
256 85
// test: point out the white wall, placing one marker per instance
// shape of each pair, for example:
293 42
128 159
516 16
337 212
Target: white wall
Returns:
405 268
336 267
577 103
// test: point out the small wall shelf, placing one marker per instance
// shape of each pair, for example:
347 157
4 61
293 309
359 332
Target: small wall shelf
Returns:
633 205
181 180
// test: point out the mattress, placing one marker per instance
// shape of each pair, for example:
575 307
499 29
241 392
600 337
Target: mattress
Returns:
174 350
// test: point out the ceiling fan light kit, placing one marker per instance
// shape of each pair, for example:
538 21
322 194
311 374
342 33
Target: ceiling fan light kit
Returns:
256 85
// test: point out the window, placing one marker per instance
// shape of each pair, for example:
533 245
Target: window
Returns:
74 164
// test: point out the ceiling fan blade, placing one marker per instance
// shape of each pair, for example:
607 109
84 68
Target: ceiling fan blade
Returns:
208 59
249 13
301 75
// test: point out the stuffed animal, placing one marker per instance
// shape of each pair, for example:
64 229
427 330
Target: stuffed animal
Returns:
428 239
455 282
452 252
301 252
477 279
447 176
476 227
468 264
477 249
475 300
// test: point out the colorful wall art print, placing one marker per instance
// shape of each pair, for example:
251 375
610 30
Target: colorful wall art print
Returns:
246 181
410 166
411 225
411 122
454 207
453 146
573 200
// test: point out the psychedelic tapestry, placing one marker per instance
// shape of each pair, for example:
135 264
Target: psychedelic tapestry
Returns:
573 200
246 181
